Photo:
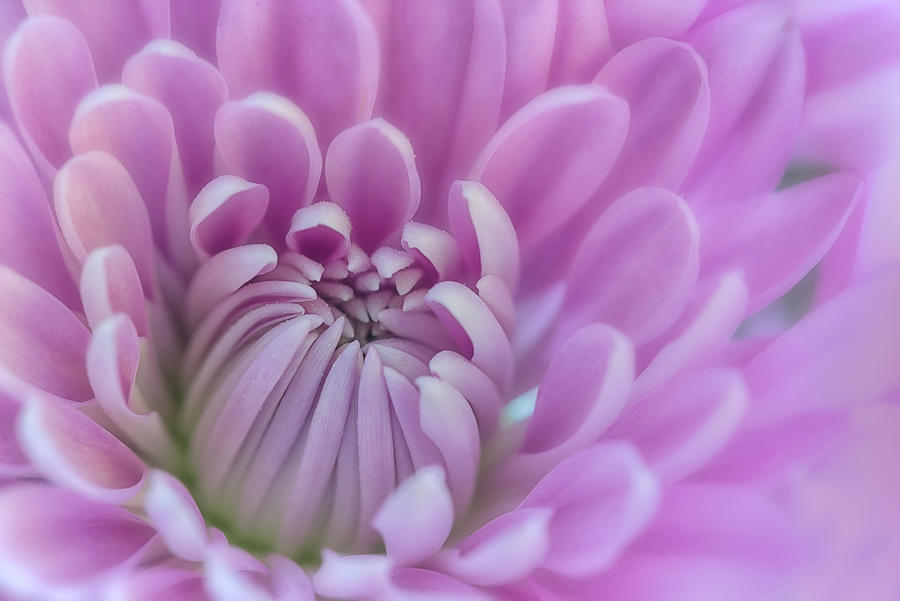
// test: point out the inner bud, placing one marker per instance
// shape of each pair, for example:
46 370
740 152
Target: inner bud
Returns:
332 376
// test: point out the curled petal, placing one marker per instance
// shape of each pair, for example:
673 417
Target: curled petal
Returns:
435 249
321 232
110 284
504 550
486 236
416 519
224 274
226 212
351 576
172 511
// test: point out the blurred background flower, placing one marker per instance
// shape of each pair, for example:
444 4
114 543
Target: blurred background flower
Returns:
525 300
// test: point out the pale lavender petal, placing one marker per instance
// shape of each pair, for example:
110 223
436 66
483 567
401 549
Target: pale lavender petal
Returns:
173 512
110 284
415 520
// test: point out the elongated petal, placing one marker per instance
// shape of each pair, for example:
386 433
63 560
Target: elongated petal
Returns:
47 69
268 140
110 284
371 173
530 37
775 240
486 236
114 30
54 537
192 90
632 20
601 499
225 273
41 341
98 204
647 243
172 511
289 47
584 389
28 233
681 425
547 160
447 100
71 449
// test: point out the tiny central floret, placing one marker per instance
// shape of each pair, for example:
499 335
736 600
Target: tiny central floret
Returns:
331 376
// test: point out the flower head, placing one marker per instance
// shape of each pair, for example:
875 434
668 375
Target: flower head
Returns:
421 300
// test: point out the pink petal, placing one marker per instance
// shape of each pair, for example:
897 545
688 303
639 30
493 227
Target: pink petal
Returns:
173 512
681 425
417 584
636 268
192 90
54 537
434 249
504 550
632 20
706 326
114 30
322 54
268 140
416 519
665 84
601 499
13 461
71 449
47 69
478 389
194 25
751 133
97 204
447 100
584 389
777 239
226 212
172 584
530 37
486 236
547 160
371 173
138 131
225 273
28 232
582 42
41 341
321 232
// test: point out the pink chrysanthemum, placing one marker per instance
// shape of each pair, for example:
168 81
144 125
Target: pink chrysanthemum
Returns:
402 300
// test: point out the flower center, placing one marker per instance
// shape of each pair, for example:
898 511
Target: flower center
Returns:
318 386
